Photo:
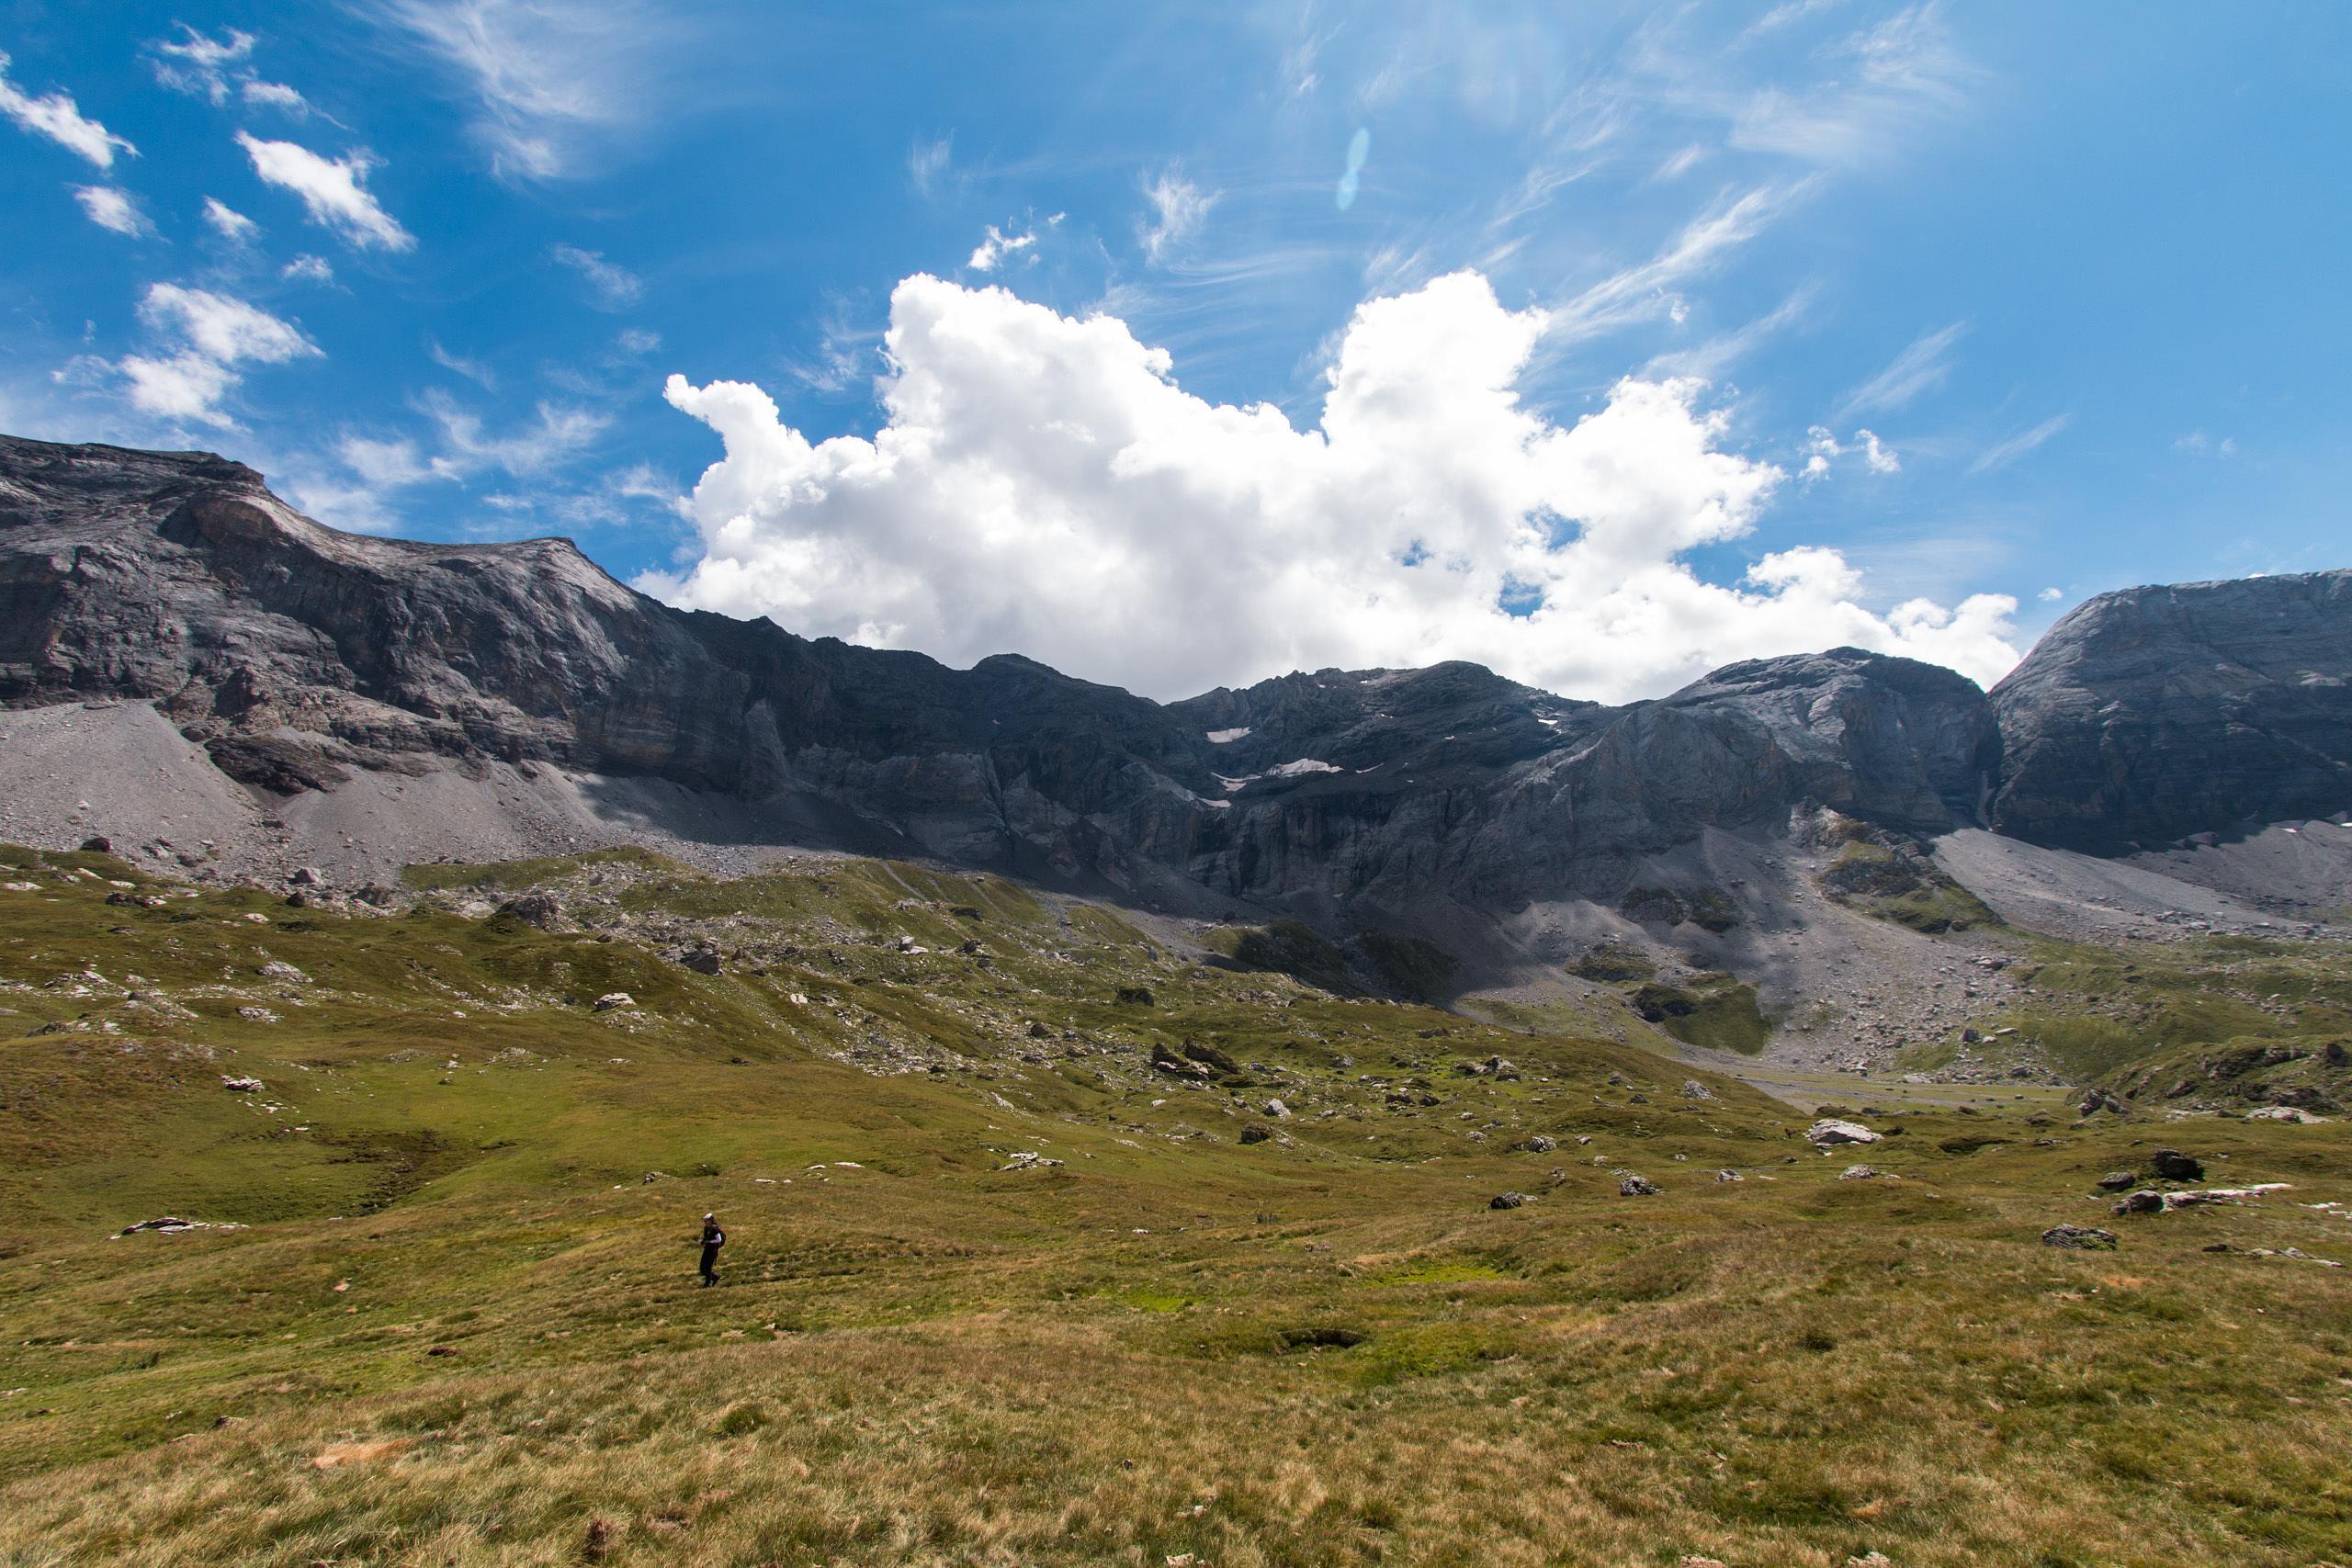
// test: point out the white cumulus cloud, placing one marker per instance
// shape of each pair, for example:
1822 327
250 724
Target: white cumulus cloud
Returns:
228 222
1823 449
55 116
1042 485
213 333
992 252
275 96
224 328
111 208
333 191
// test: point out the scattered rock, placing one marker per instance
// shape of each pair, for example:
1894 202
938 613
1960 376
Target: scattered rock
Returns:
1729 1174
2117 1180
2171 1164
536 909
1506 1201
1028 1160
1693 1090
2141 1202
1859 1173
1209 1056
1829 1131
2283 1113
304 876
1540 1144
240 1085
2097 1100
701 960
612 999
169 1225
2086 1238
1256 1133
1167 1061
1277 1109
1637 1187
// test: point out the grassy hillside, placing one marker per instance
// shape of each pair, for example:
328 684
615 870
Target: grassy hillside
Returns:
458 1323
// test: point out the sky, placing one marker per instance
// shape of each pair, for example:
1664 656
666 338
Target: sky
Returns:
1186 344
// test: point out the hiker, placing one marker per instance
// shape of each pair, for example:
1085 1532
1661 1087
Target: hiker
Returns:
713 1239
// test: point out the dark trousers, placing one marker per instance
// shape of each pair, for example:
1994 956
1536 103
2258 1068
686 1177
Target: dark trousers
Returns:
710 1265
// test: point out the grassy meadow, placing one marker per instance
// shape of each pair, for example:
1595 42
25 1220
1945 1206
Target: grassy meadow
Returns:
1006 1285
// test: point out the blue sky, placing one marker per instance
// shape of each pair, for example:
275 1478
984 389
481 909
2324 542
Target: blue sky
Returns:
1633 343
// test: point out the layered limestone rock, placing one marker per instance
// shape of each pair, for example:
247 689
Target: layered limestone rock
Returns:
296 655
2153 714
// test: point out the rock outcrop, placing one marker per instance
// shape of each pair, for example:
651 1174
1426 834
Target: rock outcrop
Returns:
2153 714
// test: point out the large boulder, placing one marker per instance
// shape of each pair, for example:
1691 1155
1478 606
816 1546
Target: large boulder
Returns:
1830 1132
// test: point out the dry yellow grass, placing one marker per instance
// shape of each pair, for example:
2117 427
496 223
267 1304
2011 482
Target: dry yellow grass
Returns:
1172 1348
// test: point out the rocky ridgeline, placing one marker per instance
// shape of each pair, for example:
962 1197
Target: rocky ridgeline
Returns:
299 657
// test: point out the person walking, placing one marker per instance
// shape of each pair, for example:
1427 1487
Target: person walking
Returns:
713 1239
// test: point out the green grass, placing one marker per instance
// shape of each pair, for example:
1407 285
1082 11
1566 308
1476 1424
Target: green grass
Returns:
1719 1011
1611 962
1323 1347
1285 947
2097 1010
1409 966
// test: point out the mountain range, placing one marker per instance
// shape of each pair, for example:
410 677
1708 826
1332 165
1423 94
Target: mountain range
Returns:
196 668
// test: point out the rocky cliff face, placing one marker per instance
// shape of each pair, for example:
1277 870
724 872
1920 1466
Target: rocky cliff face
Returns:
300 657
2155 713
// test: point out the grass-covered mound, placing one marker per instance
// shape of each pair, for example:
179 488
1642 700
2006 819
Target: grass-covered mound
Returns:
1716 1011
1285 947
1410 967
1898 882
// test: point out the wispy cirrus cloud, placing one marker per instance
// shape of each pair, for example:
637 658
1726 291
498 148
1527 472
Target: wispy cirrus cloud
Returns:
1179 208
456 364
1922 367
927 163
216 69
199 65
1884 80
1640 292
550 79
611 286
2001 454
